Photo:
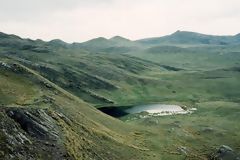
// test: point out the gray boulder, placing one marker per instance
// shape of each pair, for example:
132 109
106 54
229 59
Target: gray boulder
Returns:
225 153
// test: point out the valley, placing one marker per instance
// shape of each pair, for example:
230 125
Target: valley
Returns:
52 94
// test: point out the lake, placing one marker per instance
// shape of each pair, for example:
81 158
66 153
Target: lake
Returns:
156 108
150 109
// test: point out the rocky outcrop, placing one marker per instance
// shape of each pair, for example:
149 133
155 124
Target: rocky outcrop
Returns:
225 153
30 134
36 123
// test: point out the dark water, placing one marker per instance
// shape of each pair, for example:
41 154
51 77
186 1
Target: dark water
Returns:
114 111
162 109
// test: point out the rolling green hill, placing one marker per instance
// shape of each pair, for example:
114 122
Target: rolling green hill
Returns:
38 117
191 38
50 92
115 44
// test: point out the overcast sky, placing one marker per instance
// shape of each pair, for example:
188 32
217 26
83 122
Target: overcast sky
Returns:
81 20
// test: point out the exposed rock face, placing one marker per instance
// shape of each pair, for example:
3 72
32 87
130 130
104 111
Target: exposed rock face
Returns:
30 134
37 124
225 153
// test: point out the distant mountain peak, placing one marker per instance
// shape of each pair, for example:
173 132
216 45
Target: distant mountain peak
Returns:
119 38
191 38
57 41
99 39
237 35
4 35
179 32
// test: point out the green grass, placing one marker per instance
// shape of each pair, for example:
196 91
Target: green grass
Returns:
195 59
87 128
182 87
71 81
213 124
15 89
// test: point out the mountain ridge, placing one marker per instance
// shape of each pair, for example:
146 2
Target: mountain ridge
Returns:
186 37
120 38
50 93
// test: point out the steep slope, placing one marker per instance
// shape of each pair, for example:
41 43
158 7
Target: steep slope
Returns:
43 121
49 96
86 74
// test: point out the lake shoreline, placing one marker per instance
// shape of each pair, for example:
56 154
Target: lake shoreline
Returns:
147 110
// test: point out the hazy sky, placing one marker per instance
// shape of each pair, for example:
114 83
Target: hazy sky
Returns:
81 20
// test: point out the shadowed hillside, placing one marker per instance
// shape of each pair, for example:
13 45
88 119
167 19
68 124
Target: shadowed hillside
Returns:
50 92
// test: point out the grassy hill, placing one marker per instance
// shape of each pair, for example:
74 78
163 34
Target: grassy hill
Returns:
192 58
50 91
115 44
191 38
38 117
